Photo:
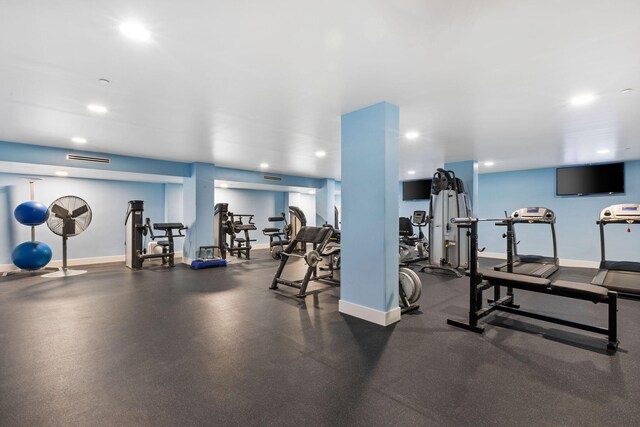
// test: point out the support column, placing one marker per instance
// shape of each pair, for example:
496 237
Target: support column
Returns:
467 171
369 256
198 205
325 202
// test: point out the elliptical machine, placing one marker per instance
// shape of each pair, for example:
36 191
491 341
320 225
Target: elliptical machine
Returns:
448 243
136 230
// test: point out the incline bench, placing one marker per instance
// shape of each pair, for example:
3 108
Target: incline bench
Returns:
487 279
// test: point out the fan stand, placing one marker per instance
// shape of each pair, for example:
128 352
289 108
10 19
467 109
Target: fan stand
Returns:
64 272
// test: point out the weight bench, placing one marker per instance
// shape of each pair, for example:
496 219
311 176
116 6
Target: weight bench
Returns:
319 237
480 281
582 291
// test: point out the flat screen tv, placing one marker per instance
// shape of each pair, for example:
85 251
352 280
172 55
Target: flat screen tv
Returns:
419 189
597 179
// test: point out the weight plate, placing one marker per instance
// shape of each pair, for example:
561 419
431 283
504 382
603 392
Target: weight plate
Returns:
275 252
407 284
313 258
417 284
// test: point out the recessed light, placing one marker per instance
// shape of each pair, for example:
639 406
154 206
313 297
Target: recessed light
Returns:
100 109
62 173
489 163
321 153
224 185
411 135
581 100
603 151
264 165
411 172
627 90
79 140
135 30
104 81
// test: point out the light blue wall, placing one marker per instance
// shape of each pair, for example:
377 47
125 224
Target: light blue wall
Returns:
173 203
107 199
578 235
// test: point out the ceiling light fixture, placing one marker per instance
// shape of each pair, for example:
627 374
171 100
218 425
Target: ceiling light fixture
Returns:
582 100
79 140
135 30
411 135
264 165
489 163
321 153
62 173
411 172
104 81
100 109
312 192
627 90
603 151
224 185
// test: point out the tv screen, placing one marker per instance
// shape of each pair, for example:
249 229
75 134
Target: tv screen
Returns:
416 190
596 179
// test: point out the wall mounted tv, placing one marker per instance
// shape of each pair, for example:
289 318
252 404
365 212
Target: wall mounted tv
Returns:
419 189
597 179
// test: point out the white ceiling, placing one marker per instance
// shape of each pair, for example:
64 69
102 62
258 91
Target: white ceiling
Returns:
243 82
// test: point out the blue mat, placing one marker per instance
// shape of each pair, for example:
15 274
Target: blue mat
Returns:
208 263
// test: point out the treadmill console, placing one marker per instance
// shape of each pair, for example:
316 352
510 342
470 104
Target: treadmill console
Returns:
419 217
621 213
534 215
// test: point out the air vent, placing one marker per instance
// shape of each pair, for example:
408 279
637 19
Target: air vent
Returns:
88 158
272 178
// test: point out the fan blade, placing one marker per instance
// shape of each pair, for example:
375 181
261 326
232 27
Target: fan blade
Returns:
59 211
69 227
81 210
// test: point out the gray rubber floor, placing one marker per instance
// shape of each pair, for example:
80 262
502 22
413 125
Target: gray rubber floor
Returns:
216 347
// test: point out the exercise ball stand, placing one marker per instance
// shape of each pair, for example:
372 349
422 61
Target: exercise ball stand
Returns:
32 197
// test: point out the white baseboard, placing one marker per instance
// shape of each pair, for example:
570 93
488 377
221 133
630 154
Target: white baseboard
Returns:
384 318
564 262
81 261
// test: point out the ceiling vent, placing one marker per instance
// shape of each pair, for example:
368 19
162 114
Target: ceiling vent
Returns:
88 158
272 178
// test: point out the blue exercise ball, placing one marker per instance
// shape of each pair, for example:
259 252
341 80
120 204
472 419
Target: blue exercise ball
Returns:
31 255
30 213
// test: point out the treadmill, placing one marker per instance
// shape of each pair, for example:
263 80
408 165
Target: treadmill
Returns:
621 276
532 265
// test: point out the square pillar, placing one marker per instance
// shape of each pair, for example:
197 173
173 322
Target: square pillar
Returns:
467 171
325 202
369 255
198 191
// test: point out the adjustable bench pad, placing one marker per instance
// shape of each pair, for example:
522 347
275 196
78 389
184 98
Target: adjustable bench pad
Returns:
581 287
515 278
566 285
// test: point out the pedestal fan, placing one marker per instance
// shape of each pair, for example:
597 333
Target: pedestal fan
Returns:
68 216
